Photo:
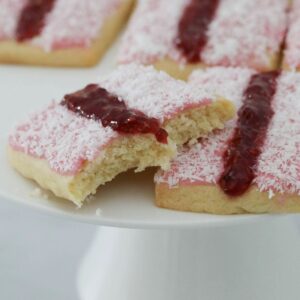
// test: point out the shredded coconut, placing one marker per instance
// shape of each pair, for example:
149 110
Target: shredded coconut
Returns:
243 33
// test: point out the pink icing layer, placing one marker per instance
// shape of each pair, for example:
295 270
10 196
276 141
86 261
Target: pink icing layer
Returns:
279 163
243 33
292 52
66 140
71 23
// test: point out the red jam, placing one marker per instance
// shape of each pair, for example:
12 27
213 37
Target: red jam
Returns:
193 27
96 103
243 150
32 19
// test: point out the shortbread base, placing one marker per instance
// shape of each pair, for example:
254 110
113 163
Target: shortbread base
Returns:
12 52
211 199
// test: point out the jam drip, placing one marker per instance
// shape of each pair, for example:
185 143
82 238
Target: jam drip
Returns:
193 26
32 19
96 103
243 150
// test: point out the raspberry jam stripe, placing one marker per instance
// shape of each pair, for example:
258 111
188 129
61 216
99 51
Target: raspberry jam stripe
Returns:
32 19
193 27
244 148
94 102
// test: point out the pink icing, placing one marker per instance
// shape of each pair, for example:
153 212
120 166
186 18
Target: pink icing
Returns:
66 140
243 33
71 23
292 51
279 163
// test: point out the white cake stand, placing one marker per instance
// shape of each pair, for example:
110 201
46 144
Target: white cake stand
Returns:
166 255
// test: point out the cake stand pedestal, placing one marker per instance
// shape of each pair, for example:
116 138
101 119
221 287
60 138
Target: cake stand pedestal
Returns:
255 261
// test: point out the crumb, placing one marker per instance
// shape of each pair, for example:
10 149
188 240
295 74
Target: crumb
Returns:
98 212
89 198
192 142
38 193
